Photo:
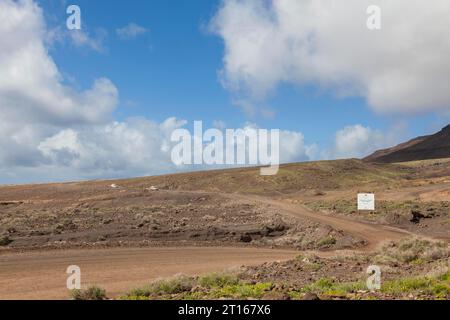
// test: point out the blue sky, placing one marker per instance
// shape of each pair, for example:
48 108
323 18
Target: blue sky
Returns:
204 60
173 71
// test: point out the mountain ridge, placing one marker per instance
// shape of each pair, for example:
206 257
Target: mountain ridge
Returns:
435 146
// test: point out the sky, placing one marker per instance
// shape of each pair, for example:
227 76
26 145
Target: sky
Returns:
101 102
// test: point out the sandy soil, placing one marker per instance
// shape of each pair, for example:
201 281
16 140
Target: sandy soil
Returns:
41 275
190 225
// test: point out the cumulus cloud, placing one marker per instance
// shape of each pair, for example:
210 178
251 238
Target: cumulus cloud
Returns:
133 147
51 131
131 31
357 141
292 146
30 82
33 101
403 67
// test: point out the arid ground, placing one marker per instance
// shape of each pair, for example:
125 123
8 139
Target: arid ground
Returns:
233 234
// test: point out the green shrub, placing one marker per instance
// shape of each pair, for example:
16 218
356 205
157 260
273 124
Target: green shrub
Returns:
177 284
217 286
5 240
174 285
92 293
428 286
144 292
445 277
319 286
218 280
412 250
242 291
330 287
342 289
326 242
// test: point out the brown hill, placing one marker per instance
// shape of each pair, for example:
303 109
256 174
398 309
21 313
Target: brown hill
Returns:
436 146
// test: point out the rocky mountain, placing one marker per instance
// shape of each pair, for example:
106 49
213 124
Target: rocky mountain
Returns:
434 146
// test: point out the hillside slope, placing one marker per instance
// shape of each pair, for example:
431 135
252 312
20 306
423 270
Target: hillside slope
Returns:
321 175
436 146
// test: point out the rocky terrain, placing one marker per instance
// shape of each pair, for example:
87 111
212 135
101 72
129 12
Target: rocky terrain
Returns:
129 217
410 269
196 223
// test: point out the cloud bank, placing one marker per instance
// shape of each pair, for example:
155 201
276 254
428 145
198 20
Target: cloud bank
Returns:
51 131
402 68
357 141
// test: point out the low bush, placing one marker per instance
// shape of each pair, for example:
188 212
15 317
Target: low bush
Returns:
174 285
92 293
326 242
412 250
435 287
5 241
220 280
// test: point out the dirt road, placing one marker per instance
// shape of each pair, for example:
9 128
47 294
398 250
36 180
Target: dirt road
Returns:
41 275
373 234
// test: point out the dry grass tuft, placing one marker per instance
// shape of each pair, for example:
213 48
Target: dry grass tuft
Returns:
411 250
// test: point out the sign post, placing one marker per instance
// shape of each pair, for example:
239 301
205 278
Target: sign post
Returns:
366 202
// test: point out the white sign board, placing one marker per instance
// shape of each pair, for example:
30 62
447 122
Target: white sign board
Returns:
366 201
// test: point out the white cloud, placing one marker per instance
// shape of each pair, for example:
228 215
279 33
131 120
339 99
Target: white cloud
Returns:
294 149
292 146
31 86
78 38
30 83
134 147
34 102
219 124
81 38
357 141
131 31
404 67
51 131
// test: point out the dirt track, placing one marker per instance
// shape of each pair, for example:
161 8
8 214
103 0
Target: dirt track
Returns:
373 234
41 275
